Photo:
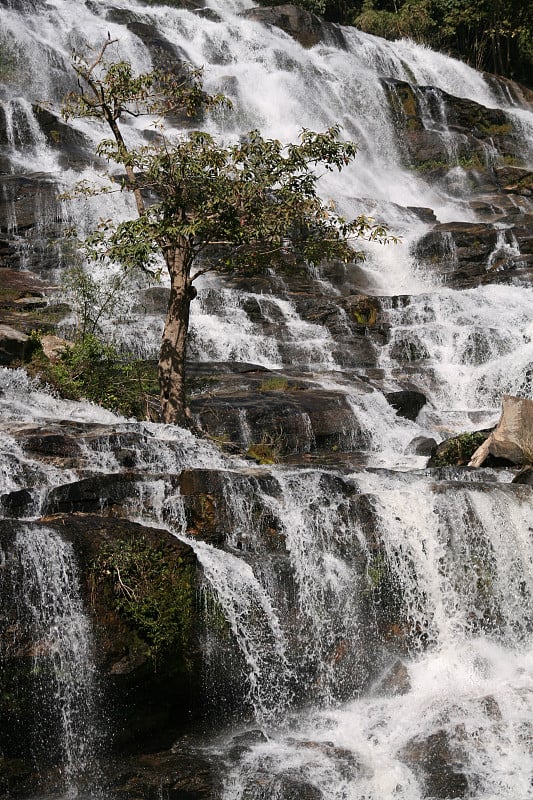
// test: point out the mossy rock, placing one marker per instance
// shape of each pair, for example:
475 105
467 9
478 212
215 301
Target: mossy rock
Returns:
458 450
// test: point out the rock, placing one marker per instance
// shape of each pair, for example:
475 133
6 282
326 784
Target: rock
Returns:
458 450
304 26
54 347
185 772
407 402
512 439
30 303
280 414
16 504
424 214
72 146
438 762
525 476
395 681
148 698
14 345
422 446
244 743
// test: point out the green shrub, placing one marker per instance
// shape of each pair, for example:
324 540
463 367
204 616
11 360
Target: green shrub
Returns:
155 592
92 370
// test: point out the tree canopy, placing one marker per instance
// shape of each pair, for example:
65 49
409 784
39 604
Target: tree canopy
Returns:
205 205
492 35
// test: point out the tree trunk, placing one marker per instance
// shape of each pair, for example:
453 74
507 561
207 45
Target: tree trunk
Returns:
174 342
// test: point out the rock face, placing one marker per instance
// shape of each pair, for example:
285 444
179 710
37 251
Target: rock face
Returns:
512 438
439 762
13 345
302 25
140 659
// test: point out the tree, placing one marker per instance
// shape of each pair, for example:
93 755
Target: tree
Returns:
203 205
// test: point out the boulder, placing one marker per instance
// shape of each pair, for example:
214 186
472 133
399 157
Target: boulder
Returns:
468 254
395 681
185 772
457 450
148 694
304 26
422 446
14 345
512 438
54 347
438 762
407 402
525 476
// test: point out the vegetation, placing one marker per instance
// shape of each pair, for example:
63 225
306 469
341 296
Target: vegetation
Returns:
98 372
154 592
492 35
458 450
269 450
203 205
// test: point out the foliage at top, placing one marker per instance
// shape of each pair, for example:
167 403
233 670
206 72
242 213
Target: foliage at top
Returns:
492 35
242 206
203 204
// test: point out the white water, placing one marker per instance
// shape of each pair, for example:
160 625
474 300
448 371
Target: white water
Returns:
50 596
460 558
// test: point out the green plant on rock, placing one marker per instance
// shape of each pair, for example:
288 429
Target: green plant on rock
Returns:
458 450
92 370
277 383
269 449
155 592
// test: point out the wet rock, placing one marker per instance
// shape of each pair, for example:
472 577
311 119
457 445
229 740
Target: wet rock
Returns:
457 450
422 446
407 402
74 149
183 773
244 743
525 476
207 496
148 697
395 681
280 414
512 438
14 345
439 763
302 25
16 504
92 494
25 200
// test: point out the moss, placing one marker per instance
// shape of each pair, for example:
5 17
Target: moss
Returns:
473 161
276 383
269 449
459 450
154 591
97 372
376 571
431 166
366 317
503 129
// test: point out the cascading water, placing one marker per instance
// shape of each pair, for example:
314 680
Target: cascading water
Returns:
42 571
382 616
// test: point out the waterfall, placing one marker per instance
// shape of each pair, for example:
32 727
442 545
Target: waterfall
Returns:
44 572
373 616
